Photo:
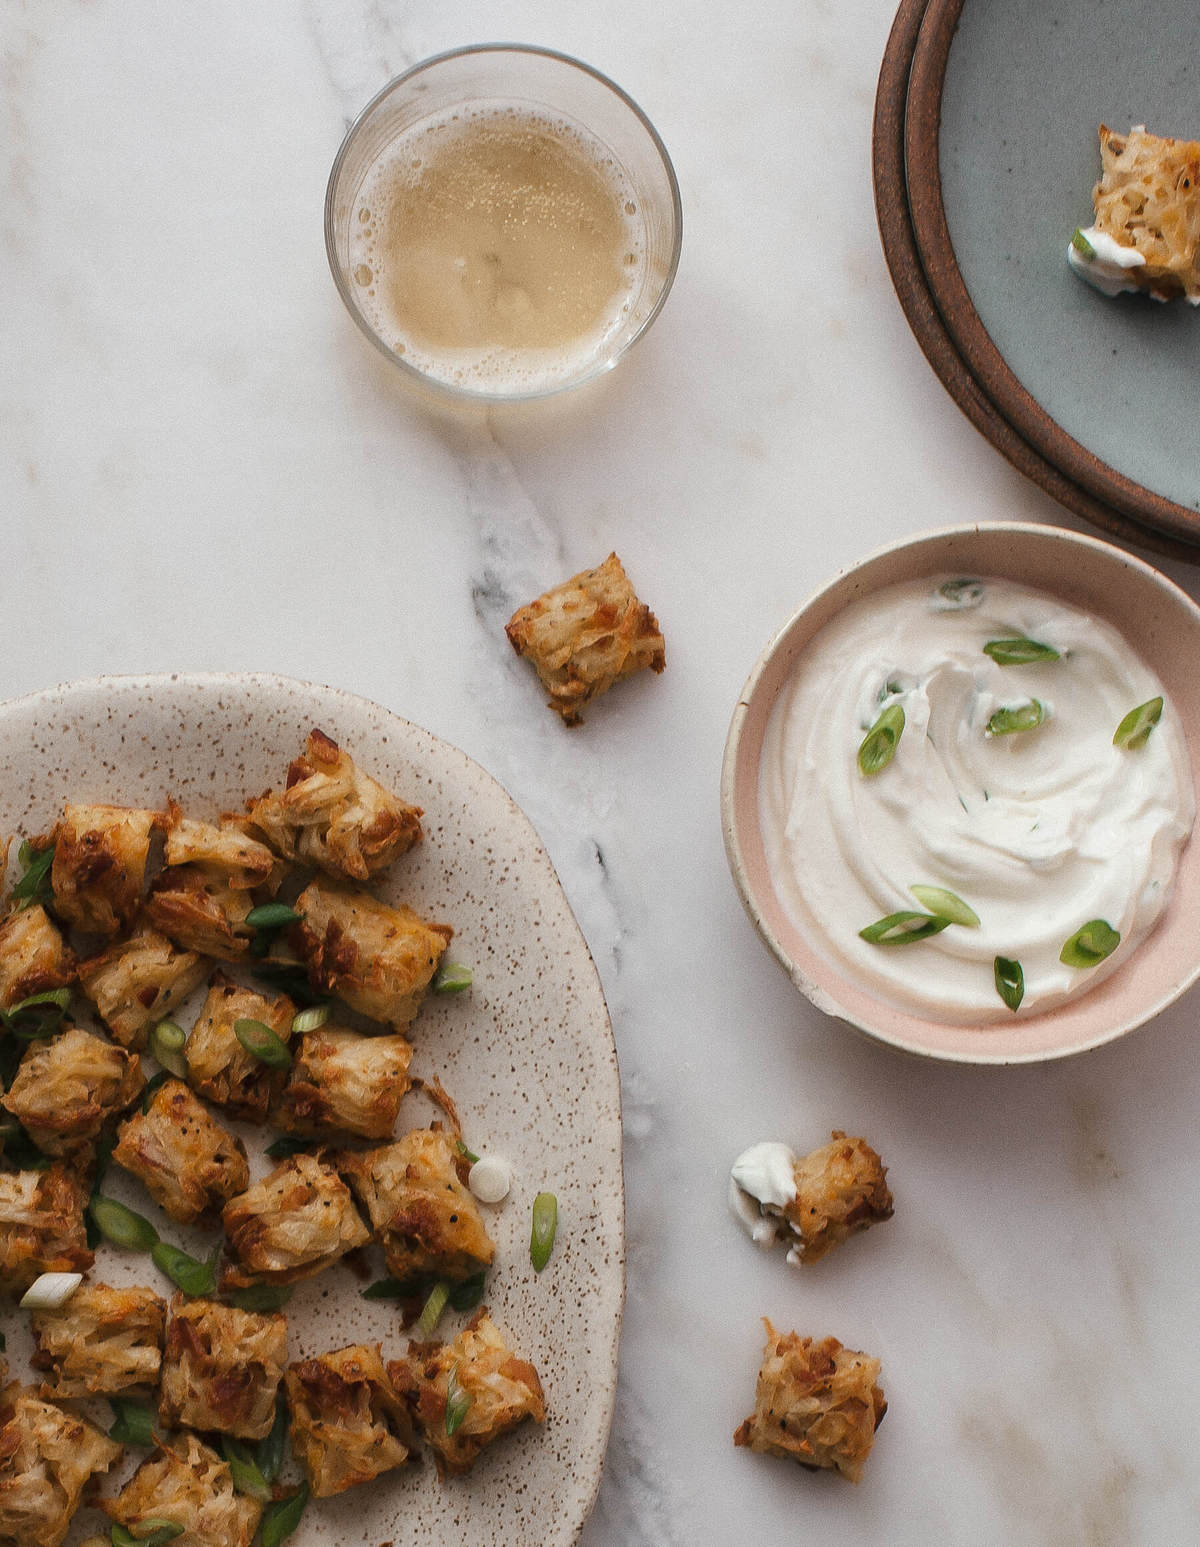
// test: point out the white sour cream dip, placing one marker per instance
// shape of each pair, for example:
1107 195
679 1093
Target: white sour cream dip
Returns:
762 1182
1039 831
1108 270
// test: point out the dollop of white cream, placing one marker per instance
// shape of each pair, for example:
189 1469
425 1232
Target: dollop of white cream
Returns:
490 1179
762 1178
1039 831
1108 269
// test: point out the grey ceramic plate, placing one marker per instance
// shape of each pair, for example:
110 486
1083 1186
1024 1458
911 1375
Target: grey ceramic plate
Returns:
528 1056
1102 387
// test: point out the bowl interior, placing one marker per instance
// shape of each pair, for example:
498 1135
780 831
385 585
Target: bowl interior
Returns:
1156 617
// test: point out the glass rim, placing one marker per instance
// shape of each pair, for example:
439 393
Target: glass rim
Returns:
475 394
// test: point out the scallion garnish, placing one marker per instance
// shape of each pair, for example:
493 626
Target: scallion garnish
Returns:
197 1279
273 1447
878 746
310 1020
1082 246
34 885
1019 652
958 595
122 1226
262 1298
244 1469
431 1311
40 1015
946 905
466 1153
262 1043
50 1291
543 1230
1025 717
166 1045
1010 981
451 978
1134 730
904 928
153 1532
272 915
467 1295
134 1424
458 1401
1090 945
281 1519
280 1149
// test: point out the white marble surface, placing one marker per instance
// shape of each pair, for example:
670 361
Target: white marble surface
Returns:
204 466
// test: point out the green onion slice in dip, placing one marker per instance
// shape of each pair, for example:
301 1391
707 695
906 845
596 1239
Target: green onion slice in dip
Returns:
1082 246
946 905
1010 981
903 928
1025 717
879 744
1134 730
1088 946
1019 652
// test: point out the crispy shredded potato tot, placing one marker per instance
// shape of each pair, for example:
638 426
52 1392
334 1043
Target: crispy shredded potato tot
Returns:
378 959
221 1368
201 912
335 817
221 850
41 1226
68 1085
47 1457
190 1485
419 1206
840 1190
1148 198
34 957
501 1390
219 1067
586 634
188 1163
101 1342
99 868
299 1220
342 1082
816 1403
138 981
348 1425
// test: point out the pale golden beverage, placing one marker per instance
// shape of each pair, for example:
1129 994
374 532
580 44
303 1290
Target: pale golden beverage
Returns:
495 248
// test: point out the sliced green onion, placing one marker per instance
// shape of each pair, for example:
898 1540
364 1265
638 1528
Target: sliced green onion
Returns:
281 1519
50 1291
946 905
431 1311
166 1044
19 1149
309 1020
272 1448
1010 981
122 1226
153 1084
543 1230
878 746
134 1424
1019 652
467 1295
958 595
1026 717
280 1149
196 1279
458 1402
1090 945
38 1016
262 1043
150 1533
1134 730
451 978
34 884
1081 245
903 928
262 1298
272 915
244 1469
466 1153
391 1289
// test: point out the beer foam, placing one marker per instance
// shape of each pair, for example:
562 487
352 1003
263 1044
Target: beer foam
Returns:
498 248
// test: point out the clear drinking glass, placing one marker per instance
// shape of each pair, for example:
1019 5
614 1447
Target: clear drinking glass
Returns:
495 84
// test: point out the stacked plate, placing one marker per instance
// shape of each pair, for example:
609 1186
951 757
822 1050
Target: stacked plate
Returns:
985 154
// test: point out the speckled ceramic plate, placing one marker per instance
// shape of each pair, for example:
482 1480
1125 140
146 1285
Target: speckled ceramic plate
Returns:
1003 107
1145 608
527 1055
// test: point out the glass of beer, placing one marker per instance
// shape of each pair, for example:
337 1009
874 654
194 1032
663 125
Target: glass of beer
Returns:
503 222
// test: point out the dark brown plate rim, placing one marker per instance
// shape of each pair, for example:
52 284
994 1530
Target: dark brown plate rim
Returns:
921 312
922 122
